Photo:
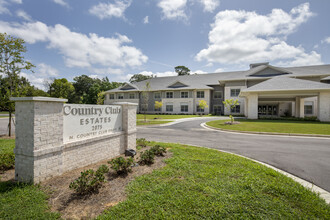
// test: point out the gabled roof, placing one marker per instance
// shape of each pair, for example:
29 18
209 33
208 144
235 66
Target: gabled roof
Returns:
281 83
267 71
206 81
177 84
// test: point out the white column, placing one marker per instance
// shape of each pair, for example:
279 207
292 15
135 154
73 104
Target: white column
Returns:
324 106
302 108
252 106
246 107
297 105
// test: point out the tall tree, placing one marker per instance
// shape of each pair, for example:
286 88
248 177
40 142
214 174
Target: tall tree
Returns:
182 70
62 88
12 62
139 78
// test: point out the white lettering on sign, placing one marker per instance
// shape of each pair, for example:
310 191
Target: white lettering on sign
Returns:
82 122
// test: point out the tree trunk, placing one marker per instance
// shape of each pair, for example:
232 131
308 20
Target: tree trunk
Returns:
9 124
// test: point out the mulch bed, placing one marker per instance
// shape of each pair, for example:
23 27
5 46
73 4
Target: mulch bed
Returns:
73 206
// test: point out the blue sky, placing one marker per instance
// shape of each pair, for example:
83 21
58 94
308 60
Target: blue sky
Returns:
118 38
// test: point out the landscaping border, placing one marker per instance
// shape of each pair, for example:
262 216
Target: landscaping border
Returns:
265 133
322 192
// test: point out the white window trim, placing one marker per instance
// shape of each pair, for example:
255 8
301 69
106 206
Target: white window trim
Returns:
200 97
172 95
120 94
129 96
217 92
160 95
184 92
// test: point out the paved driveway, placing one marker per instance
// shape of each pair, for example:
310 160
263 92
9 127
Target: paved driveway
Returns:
307 158
4 126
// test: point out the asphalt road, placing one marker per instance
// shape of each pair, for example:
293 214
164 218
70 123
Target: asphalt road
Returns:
307 158
4 126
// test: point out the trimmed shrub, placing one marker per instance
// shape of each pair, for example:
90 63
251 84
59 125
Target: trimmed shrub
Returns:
122 165
7 161
147 157
89 180
158 150
142 142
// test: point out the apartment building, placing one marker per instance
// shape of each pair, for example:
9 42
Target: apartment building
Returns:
262 90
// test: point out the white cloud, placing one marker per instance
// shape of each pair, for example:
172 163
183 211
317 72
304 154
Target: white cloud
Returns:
3 8
219 70
146 20
327 40
109 10
17 1
198 72
173 9
22 14
61 2
42 73
79 50
210 5
245 37
149 73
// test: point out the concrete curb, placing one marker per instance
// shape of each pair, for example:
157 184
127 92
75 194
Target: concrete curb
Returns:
267 133
322 193
174 121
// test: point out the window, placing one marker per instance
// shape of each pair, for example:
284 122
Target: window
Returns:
169 95
217 95
158 109
217 109
120 96
169 107
184 95
234 92
184 107
144 107
199 109
236 109
112 96
157 95
308 109
132 96
200 94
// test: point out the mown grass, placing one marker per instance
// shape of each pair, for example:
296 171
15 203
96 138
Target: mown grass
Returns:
200 183
18 200
7 157
141 116
4 112
23 201
151 122
277 126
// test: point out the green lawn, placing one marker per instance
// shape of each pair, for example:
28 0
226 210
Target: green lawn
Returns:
141 116
200 183
196 183
7 157
277 126
151 122
21 201
4 112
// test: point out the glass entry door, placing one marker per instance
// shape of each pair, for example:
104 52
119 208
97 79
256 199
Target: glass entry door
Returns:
267 110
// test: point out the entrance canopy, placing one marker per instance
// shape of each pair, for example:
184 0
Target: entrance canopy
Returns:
288 89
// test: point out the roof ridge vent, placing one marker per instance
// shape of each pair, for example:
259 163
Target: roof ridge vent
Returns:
253 65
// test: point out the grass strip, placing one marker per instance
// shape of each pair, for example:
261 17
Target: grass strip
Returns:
141 116
200 183
275 126
23 201
7 157
152 122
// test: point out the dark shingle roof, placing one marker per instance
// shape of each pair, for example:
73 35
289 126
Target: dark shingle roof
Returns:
280 83
203 81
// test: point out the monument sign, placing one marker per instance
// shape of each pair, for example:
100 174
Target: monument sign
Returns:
82 122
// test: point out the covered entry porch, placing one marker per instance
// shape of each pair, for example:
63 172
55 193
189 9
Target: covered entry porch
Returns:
275 97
